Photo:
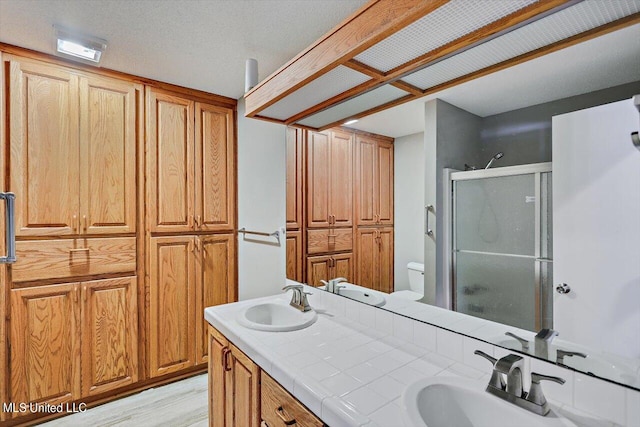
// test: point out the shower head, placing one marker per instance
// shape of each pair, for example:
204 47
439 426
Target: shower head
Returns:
493 159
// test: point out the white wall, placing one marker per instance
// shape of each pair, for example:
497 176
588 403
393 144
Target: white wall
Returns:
261 205
408 167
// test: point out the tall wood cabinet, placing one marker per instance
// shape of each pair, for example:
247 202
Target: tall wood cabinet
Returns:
191 229
348 185
121 241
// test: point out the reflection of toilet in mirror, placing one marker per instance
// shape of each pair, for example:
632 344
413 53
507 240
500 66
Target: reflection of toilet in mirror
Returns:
416 283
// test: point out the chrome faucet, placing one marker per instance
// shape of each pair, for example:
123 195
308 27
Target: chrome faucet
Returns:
332 285
299 297
561 354
542 341
511 390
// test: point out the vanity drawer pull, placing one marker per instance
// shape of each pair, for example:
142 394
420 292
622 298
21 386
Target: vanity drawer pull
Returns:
225 358
281 414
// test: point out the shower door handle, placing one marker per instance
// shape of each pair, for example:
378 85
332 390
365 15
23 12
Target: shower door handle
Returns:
10 231
427 209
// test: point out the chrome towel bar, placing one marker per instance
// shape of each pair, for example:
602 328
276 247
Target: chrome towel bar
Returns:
275 234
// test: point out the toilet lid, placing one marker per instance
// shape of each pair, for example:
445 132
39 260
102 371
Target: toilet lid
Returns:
406 294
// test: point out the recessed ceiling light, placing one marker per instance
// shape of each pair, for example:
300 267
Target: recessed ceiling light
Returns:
350 122
79 47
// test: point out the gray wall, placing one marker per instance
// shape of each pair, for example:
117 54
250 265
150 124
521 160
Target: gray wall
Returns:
261 204
408 153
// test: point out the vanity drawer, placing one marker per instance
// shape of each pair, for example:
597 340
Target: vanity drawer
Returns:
53 259
329 240
279 408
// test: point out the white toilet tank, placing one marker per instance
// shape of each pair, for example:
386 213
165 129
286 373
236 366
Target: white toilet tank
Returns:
416 277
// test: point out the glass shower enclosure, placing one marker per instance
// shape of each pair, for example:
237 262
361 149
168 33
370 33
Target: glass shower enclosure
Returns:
501 245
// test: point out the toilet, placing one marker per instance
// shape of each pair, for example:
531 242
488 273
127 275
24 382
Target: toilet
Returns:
416 283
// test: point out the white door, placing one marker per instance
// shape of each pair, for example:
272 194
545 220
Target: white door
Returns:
596 227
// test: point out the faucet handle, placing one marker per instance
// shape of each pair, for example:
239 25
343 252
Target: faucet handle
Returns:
523 342
288 287
536 395
561 354
496 380
324 282
338 280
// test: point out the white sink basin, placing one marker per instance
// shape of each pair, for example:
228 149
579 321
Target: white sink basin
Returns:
363 296
275 317
445 402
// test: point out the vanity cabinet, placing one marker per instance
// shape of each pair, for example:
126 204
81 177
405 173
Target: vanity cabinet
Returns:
374 264
242 395
326 267
330 179
373 180
187 274
191 164
73 340
234 385
72 139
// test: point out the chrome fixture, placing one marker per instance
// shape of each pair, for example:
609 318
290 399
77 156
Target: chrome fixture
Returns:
299 297
523 342
542 340
561 354
511 390
494 158
635 138
10 227
428 231
563 288
275 234
332 285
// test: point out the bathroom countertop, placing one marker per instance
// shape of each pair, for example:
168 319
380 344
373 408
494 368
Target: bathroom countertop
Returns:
351 366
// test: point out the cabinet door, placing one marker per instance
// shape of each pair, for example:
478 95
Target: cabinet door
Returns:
295 177
366 191
343 266
341 178
44 148
243 393
294 255
171 304
108 120
218 348
319 156
170 162
318 268
109 334
385 259
367 250
45 344
215 172
215 281
384 180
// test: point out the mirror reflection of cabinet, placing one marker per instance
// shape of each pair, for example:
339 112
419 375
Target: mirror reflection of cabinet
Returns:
326 267
374 266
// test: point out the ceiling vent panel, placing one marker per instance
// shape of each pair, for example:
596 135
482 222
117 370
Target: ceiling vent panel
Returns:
343 111
559 26
449 22
333 83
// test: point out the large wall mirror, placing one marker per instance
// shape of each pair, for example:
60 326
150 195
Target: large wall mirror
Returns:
530 185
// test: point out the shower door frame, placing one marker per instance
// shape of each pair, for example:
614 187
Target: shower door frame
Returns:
452 176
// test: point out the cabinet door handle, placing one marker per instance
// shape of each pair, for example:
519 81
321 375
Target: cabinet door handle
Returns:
281 414
85 222
197 221
225 358
427 209
84 293
78 250
74 221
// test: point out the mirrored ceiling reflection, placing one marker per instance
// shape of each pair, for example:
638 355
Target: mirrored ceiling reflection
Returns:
557 252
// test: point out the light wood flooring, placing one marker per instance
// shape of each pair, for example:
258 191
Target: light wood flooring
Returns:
180 404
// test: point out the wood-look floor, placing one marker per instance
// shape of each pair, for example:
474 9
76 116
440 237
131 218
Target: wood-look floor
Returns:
180 404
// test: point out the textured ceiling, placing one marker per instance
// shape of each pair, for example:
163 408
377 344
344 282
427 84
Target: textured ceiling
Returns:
201 44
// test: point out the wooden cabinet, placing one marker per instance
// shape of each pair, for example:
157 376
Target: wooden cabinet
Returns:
295 177
190 166
374 267
234 385
327 267
72 145
280 409
330 179
187 274
374 181
294 256
73 340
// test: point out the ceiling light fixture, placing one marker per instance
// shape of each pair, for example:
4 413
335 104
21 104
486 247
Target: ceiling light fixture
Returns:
79 47
350 122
